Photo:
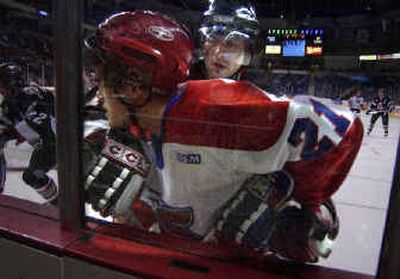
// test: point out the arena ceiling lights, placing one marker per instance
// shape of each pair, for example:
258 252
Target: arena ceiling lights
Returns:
379 57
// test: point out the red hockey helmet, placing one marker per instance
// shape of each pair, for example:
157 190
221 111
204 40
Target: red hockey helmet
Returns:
151 42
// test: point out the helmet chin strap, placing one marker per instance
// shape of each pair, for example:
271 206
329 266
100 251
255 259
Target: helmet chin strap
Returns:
133 109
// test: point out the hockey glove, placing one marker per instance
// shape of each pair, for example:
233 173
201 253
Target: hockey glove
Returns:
249 217
305 236
116 175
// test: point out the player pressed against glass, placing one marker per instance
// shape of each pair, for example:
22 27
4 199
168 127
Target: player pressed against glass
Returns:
213 160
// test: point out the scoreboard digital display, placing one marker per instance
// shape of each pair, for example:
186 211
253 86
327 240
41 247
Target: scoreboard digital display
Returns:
294 48
294 42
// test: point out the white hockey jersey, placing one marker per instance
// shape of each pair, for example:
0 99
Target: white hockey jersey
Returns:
216 134
356 103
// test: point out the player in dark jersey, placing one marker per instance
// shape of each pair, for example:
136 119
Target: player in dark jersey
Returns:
28 115
380 107
229 40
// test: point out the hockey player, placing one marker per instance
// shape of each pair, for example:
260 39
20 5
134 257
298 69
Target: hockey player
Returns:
28 115
229 40
137 73
356 102
381 106
212 144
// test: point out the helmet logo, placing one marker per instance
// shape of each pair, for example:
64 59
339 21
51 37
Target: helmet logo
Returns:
161 33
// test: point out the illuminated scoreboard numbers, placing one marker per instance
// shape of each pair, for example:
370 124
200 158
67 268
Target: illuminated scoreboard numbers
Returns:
294 42
293 47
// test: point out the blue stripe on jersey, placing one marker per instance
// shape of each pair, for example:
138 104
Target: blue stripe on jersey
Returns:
157 144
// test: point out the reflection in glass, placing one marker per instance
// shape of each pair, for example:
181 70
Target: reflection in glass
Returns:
28 134
27 121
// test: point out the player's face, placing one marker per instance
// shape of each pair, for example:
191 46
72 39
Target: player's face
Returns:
381 94
134 94
223 58
128 83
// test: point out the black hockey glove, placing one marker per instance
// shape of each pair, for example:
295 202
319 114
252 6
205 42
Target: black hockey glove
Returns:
304 236
249 217
114 177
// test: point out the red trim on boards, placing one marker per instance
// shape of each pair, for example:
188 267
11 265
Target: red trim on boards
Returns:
20 221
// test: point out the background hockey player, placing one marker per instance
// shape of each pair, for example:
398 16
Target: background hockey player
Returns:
28 115
381 106
229 40
213 144
356 102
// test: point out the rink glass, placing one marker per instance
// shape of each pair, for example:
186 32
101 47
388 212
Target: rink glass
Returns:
363 199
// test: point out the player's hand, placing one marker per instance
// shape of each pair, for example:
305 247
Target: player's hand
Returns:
115 176
249 217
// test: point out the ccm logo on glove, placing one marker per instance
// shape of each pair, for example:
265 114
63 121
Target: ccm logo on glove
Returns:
126 156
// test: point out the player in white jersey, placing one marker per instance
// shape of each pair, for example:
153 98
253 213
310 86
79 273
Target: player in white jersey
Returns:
356 102
230 162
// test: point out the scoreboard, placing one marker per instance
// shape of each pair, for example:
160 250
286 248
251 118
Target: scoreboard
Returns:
294 42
